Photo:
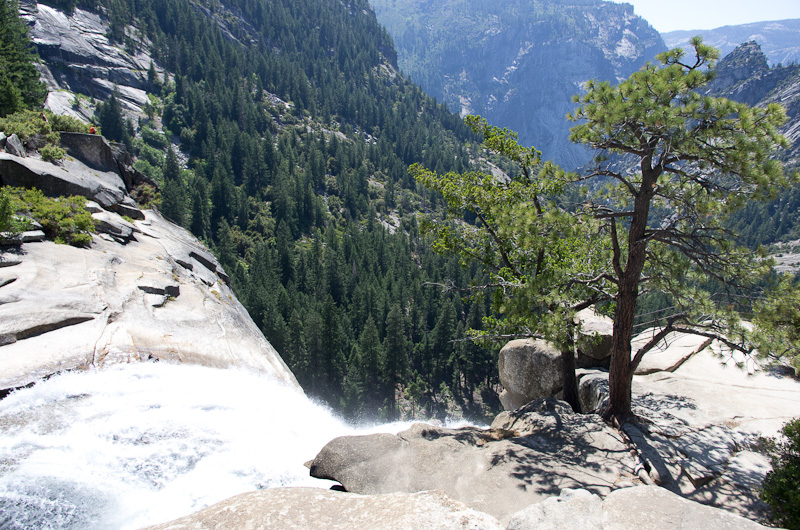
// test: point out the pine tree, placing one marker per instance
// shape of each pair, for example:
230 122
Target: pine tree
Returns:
19 81
112 123
697 158
173 196
395 348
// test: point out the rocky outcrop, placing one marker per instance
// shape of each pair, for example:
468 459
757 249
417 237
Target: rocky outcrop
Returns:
293 508
525 457
697 437
594 341
701 418
95 169
160 296
780 39
529 369
91 149
743 76
641 508
13 146
740 73
115 226
145 289
72 178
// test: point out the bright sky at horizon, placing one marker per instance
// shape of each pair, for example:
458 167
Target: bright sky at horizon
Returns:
674 15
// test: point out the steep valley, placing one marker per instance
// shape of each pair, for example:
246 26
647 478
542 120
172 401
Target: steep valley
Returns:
292 166
258 290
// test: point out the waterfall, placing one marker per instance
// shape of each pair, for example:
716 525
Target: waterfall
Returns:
138 444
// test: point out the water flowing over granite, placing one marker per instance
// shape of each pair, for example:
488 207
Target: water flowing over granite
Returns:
142 443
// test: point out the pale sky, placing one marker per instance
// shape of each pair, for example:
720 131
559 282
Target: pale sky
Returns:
670 15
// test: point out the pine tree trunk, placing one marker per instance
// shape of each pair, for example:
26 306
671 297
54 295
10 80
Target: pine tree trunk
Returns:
568 379
620 376
570 382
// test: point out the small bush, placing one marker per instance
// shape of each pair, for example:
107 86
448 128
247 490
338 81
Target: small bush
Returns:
42 130
8 226
146 196
63 219
154 138
25 124
51 152
152 155
67 124
781 487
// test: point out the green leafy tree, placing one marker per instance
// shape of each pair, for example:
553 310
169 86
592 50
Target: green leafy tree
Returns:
777 323
112 123
19 81
369 367
781 487
395 349
541 259
119 17
671 165
693 160
173 193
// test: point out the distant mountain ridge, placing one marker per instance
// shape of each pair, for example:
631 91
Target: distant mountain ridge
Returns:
518 63
779 40
744 75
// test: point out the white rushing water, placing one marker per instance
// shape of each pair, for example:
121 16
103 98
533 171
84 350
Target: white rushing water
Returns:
139 444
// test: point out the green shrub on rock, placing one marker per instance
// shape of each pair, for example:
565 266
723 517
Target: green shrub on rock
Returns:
51 153
8 226
63 123
781 487
64 220
43 129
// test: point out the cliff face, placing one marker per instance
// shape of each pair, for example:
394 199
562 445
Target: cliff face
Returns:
741 75
78 58
518 64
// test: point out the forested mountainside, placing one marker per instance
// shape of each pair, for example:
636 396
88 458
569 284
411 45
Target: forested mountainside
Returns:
518 63
779 39
296 132
280 133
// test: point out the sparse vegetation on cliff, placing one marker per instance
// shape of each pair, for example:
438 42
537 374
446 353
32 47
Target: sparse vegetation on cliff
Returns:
40 130
63 219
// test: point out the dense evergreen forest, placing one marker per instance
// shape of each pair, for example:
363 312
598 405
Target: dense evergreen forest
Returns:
297 133
19 81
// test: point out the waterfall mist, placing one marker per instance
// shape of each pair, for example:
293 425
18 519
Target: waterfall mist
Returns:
137 444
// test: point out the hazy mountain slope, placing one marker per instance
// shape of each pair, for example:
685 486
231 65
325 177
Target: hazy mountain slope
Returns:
743 75
518 63
780 39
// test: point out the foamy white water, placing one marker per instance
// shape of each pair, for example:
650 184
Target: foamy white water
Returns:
138 444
